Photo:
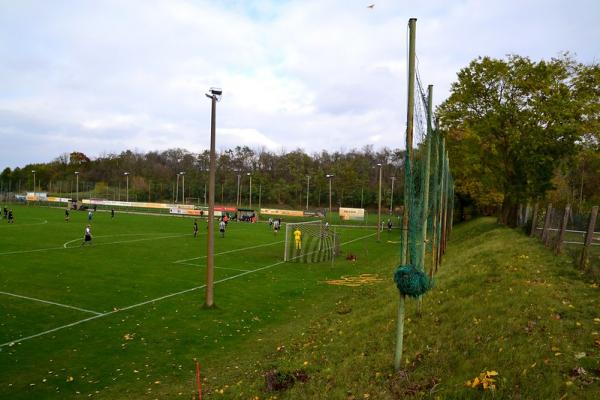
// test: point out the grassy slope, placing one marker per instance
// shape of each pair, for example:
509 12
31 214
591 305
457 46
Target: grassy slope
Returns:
502 302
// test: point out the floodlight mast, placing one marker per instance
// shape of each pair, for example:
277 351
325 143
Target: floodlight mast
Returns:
379 206
127 187
250 192
77 187
183 186
214 96
329 176
33 172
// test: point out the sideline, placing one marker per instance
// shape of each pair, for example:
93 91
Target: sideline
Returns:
19 340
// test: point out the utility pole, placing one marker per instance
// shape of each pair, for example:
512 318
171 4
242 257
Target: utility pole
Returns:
307 189
392 196
379 205
215 95
237 197
250 192
405 256
329 176
183 186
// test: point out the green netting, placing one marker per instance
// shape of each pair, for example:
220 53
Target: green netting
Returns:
428 203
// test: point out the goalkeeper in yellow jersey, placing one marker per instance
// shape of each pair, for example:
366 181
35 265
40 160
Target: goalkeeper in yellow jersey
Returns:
298 238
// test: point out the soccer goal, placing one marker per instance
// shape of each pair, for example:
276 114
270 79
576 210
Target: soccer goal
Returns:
317 242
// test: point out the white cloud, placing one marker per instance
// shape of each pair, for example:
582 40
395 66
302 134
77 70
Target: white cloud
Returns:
111 75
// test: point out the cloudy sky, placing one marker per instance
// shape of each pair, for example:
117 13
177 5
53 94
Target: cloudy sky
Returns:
104 76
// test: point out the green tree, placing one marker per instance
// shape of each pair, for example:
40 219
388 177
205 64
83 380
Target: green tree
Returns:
509 124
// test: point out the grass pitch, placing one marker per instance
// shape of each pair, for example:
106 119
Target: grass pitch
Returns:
123 318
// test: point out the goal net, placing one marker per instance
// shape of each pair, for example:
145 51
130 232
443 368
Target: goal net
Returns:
317 242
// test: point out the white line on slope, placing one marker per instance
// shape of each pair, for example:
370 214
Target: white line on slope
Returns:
50 302
229 251
12 342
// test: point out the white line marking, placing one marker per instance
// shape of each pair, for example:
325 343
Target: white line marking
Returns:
16 225
12 342
31 251
199 265
50 302
98 244
229 251
125 241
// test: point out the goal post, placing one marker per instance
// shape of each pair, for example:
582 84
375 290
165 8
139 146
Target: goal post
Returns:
318 243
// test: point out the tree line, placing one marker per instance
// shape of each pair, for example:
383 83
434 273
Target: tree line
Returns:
278 179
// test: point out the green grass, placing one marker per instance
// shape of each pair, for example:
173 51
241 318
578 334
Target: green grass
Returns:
501 301
130 262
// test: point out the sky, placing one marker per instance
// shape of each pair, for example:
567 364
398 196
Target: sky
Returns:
105 76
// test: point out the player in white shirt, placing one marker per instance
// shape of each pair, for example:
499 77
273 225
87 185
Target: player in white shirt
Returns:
87 237
222 228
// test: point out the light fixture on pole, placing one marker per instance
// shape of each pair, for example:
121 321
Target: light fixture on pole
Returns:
307 189
77 185
127 187
183 186
379 206
214 96
329 176
250 192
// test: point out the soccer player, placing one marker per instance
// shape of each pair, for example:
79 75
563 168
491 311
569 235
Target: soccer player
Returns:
298 238
195 228
275 226
222 228
90 215
5 213
112 212
87 237
389 225
67 214
10 217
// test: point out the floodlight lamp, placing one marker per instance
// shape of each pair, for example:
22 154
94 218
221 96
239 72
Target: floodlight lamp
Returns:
330 175
182 173
379 164
248 173
76 172
33 171
215 93
125 173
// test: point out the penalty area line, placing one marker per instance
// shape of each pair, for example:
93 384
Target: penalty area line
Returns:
13 342
228 251
50 302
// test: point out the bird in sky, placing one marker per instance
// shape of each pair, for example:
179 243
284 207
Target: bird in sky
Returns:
371 6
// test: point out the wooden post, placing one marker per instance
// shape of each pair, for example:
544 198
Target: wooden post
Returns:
534 219
563 228
588 237
425 188
408 213
546 223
